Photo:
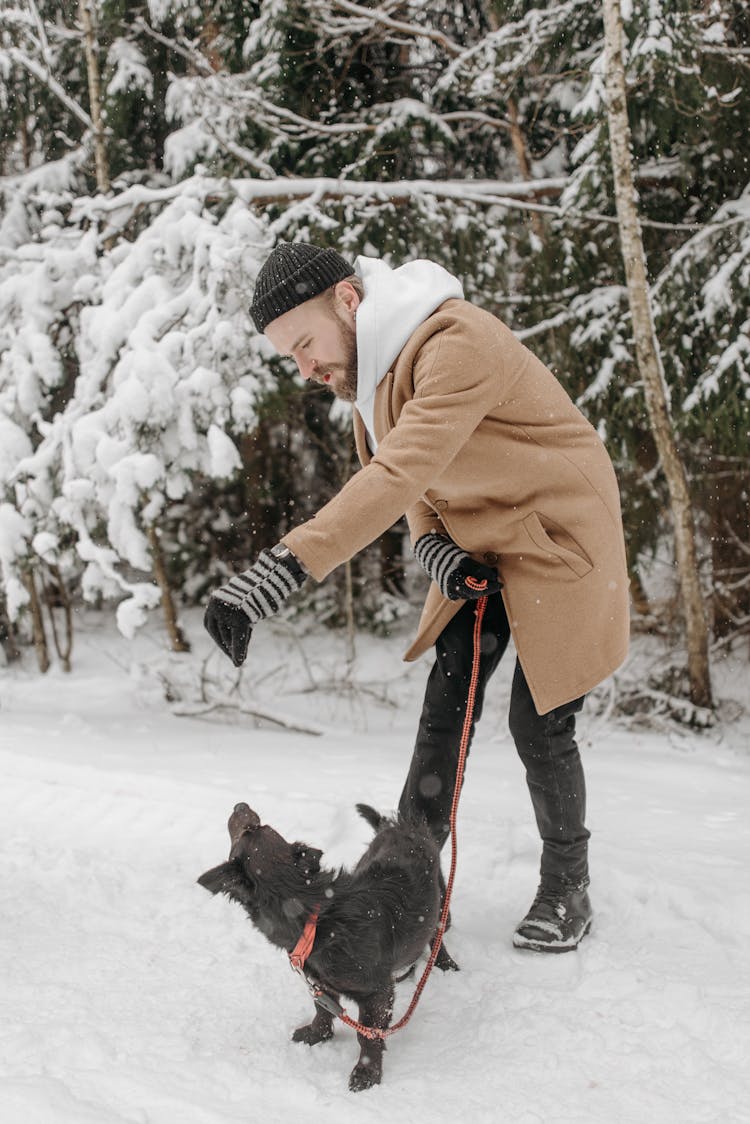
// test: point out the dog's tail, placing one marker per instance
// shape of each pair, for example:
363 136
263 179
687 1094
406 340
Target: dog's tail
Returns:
375 820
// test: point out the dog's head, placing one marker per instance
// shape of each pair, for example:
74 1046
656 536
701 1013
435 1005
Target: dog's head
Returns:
261 863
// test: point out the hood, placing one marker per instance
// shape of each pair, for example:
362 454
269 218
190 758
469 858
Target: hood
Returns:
395 303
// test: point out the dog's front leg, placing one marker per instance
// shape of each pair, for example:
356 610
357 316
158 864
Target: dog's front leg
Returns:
376 1010
319 1030
444 961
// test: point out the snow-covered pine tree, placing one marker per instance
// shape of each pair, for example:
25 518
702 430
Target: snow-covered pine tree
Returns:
166 374
41 254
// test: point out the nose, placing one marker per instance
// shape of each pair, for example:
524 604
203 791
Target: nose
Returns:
243 818
306 367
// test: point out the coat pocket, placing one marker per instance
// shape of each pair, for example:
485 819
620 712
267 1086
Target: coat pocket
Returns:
554 539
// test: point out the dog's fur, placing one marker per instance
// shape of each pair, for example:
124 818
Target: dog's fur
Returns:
374 920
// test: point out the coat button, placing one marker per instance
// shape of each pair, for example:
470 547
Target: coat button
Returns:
490 558
441 504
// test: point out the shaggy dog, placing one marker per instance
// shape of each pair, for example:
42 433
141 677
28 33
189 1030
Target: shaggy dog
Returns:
373 921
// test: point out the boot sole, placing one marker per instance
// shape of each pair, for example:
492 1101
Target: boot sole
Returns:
527 944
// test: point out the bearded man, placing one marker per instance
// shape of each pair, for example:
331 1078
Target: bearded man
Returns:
505 486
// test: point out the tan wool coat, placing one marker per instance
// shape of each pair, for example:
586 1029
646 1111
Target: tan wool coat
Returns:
477 439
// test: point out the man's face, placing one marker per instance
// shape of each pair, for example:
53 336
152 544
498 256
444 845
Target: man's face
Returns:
319 335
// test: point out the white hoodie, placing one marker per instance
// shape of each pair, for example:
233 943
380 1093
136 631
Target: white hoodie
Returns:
395 303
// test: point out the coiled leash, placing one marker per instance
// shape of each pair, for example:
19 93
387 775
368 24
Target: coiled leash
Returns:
304 946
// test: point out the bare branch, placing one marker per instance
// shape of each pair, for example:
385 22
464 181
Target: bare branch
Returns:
516 195
43 41
21 59
190 53
373 15
241 153
476 115
251 711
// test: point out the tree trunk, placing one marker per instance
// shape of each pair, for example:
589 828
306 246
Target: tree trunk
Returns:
176 636
95 94
648 358
60 595
349 609
26 149
208 37
517 138
37 624
7 634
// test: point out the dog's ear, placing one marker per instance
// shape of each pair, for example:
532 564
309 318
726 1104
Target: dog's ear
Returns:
306 858
229 879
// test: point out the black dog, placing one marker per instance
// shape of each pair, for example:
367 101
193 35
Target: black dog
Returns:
373 921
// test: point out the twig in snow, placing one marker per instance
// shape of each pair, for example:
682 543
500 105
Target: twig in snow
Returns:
252 712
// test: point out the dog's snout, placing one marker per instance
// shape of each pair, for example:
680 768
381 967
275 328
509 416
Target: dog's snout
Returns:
242 819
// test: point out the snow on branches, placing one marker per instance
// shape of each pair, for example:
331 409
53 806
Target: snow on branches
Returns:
155 367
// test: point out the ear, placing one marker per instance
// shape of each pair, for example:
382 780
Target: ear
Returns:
306 859
347 296
229 879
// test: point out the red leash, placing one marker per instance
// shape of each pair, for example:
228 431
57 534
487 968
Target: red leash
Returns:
304 946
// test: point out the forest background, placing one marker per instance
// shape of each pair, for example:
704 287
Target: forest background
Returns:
151 155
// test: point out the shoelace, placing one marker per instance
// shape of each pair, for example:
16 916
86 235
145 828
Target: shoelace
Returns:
554 897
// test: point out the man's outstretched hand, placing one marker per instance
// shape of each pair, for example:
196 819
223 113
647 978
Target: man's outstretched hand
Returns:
249 597
229 627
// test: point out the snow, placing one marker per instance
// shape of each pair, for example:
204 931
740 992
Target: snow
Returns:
131 995
14 531
130 69
224 456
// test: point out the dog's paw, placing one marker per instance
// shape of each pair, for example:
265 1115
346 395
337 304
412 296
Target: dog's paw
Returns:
365 1074
445 962
312 1034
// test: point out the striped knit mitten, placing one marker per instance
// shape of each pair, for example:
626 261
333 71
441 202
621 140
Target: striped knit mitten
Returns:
456 573
250 597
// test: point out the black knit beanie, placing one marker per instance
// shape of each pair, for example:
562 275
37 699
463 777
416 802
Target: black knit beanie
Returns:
292 274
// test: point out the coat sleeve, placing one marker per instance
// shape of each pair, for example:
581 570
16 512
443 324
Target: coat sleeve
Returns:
458 378
423 520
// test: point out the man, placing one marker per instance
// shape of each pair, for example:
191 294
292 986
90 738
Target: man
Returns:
502 481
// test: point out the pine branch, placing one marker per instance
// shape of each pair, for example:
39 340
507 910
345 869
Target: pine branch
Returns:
299 126
568 315
738 55
701 231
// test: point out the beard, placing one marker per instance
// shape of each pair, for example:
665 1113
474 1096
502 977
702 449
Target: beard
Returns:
345 387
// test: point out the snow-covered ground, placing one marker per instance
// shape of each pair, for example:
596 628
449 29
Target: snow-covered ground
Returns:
128 994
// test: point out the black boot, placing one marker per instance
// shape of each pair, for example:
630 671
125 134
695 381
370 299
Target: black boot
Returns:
559 918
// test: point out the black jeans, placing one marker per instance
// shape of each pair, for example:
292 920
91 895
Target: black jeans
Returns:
545 743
